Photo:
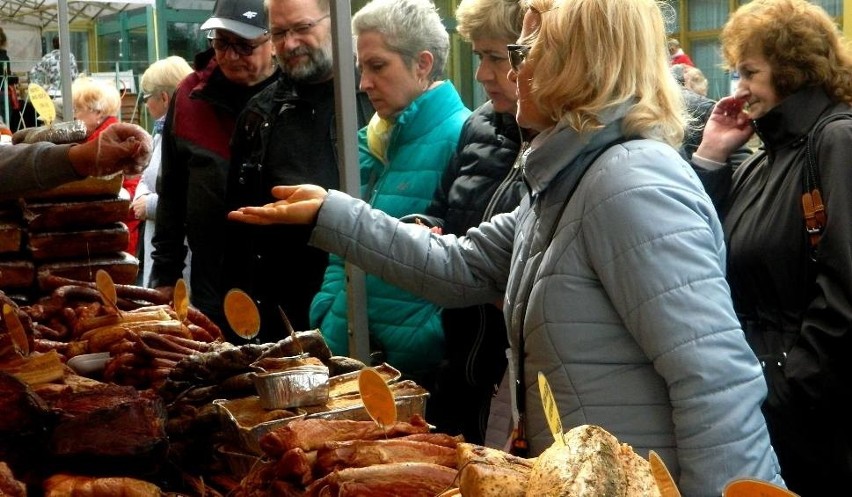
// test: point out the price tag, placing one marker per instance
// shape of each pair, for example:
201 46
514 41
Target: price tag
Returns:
551 410
747 487
242 313
42 103
377 397
665 482
181 300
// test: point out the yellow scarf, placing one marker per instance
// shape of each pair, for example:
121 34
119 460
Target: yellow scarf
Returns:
378 136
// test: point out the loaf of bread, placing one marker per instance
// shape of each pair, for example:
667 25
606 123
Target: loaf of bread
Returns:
592 463
486 472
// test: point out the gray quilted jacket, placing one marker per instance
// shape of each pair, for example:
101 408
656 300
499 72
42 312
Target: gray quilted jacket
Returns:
629 315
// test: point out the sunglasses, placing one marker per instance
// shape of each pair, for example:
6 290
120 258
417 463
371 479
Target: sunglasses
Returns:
239 47
517 55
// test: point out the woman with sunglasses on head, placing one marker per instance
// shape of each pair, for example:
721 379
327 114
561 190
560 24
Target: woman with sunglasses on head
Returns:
611 270
791 281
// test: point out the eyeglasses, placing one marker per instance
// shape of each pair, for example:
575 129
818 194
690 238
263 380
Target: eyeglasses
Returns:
517 55
297 30
239 47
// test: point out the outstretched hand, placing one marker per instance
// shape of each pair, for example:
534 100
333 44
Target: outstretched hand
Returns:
297 204
727 130
121 147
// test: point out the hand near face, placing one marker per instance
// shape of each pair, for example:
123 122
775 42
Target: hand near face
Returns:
728 129
297 204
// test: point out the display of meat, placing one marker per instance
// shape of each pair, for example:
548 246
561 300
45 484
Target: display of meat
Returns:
311 434
71 231
66 485
411 479
109 428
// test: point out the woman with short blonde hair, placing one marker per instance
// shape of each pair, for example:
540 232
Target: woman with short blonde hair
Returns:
96 103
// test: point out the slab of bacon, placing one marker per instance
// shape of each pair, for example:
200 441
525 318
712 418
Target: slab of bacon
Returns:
411 479
311 434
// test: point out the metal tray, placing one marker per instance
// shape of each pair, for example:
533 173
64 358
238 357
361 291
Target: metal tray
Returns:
247 436
346 384
410 400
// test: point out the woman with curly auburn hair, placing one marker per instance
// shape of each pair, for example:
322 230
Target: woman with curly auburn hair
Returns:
791 281
611 271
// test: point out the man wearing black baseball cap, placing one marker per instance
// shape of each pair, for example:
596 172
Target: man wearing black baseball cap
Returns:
196 155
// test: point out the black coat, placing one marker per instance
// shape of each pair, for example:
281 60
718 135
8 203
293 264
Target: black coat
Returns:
797 312
481 180
287 135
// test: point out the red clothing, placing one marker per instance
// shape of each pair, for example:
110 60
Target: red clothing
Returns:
681 58
104 125
132 223
128 184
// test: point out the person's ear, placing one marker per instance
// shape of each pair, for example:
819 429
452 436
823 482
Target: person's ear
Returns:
425 60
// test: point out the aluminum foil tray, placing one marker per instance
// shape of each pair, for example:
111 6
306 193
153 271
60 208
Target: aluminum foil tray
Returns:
244 421
293 387
410 400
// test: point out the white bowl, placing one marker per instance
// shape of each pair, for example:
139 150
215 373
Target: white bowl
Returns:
86 364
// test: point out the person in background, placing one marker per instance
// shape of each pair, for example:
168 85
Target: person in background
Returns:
698 107
48 71
287 133
479 181
8 82
694 79
196 136
158 83
793 297
40 166
4 55
97 103
613 281
676 53
402 49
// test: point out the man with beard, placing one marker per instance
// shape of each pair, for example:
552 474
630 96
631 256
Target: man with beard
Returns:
195 154
286 135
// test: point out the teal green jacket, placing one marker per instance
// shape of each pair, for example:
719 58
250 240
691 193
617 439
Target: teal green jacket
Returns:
407 328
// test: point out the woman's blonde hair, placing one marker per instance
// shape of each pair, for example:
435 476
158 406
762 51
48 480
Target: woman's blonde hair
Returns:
164 75
799 40
494 19
594 55
95 95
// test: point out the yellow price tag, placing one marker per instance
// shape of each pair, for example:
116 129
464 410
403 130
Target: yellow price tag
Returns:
378 399
42 103
747 487
551 410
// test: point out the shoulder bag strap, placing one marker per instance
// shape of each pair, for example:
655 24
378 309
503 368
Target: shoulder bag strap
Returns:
812 205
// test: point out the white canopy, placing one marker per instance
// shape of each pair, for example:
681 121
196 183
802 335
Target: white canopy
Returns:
44 14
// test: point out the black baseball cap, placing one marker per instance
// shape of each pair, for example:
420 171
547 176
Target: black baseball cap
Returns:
244 18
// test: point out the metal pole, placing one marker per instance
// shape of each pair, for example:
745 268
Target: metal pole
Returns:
347 143
65 59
